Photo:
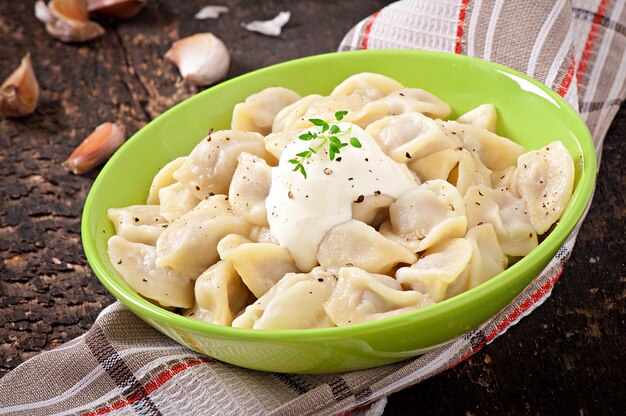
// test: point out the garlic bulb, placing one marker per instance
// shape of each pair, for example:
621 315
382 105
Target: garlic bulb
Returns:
202 59
95 149
19 93
68 20
116 9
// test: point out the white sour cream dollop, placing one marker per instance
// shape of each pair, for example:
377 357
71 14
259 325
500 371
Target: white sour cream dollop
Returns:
301 211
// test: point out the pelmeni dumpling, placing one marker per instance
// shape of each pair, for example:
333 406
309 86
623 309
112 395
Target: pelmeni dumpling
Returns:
260 265
275 143
361 296
261 235
295 302
176 200
189 244
402 101
438 268
373 209
249 188
545 180
469 171
488 260
138 223
504 179
323 108
164 178
259 110
425 216
220 295
211 164
495 152
506 213
369 85
293 114
411 136
136 263
437 165
354 243
483 116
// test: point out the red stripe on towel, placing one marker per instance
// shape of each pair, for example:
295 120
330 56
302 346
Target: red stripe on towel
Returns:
150 387
591 40
368 29
567 79
458 47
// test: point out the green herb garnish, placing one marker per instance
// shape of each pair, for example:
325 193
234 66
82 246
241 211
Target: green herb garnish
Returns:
327 133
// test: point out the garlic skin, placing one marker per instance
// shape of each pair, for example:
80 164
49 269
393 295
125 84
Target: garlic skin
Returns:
95 149
271 27
68 20
116 9
202 59
210 12
19 93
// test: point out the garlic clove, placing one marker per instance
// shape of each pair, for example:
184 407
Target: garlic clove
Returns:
43 13
68 20
116 9
95 149
210 12
202 59
271 27
19 93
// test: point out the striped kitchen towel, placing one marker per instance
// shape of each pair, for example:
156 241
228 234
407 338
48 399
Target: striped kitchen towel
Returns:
122 366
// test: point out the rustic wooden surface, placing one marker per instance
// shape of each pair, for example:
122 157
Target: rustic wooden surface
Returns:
567 357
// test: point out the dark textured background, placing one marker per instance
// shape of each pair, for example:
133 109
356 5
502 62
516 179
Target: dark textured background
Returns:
567 357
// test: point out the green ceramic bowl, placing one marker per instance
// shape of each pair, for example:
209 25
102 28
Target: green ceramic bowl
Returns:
528 112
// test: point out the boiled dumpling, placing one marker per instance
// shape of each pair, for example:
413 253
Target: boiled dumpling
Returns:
295 302
164 178
411 136
294 114
436 165
323 108
495 152
189 244
176 200
261 235
504 179
373 210
506 213
361 296
406 100
483 116
355 243
469 171
488 260
369 85
249 187
259 110
138 223
135 262
211 164
424 216
545 180
275 143
220 295
260 265
438 268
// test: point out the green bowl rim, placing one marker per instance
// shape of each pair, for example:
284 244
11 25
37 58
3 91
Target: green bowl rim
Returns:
576 207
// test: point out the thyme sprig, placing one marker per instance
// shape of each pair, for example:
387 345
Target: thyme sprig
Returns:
329 133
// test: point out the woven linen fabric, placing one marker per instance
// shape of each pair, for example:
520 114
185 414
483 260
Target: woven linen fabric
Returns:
122 366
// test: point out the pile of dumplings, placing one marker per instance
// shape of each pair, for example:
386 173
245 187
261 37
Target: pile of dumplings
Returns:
202 246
